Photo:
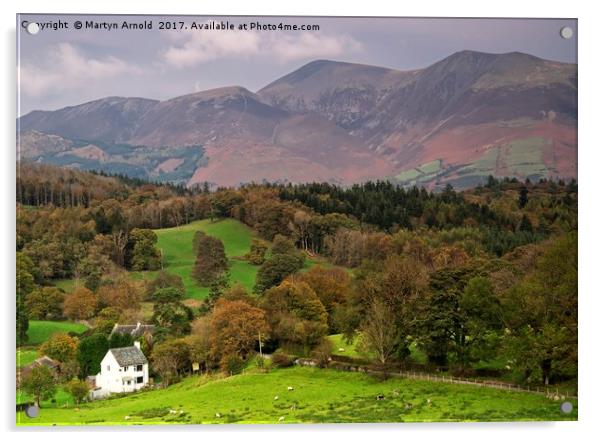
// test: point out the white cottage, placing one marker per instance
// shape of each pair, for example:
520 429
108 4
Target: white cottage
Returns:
122 370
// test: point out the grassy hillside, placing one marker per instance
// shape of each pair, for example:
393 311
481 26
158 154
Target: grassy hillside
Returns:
40 331
178 258
319 396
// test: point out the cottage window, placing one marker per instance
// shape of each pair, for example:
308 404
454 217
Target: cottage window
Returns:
125 368
129 382
138 367
139 379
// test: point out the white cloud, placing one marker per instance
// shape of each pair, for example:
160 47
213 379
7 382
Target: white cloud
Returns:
200 47
193 48
66 68
311 45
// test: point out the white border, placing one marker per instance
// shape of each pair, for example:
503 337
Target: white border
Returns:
590 160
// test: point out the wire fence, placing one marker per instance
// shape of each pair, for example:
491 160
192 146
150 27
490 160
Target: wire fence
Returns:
552 393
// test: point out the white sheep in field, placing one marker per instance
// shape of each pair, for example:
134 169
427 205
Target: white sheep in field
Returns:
127 417
281 419
218 415
276 397
290 388
171 411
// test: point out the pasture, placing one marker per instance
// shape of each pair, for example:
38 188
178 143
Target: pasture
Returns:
178 258
319 396
40 331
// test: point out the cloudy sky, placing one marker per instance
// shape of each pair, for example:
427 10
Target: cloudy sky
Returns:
65 67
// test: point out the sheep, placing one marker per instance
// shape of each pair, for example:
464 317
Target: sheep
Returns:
341 349
171 411
127 417
429 401
276 397
290 388
218 415
281 419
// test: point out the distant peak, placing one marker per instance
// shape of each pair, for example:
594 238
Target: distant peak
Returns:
474 54
217 93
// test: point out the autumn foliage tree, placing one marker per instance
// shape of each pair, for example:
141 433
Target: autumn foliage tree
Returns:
170 358
122 294
296 316
80 304
332 286
235 329
60 347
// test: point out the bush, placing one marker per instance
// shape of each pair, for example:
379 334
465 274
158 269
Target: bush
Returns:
232 364
322 352
151 413
281 360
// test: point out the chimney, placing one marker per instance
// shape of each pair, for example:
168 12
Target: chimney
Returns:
137 344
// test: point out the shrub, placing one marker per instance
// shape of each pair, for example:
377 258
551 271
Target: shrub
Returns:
322 352
232 364
151 413
281 360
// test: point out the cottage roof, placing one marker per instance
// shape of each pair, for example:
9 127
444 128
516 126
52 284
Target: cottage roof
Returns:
135 330
46 361
126 356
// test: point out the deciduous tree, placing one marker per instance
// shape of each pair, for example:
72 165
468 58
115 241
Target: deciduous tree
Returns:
40 383
45 303
80 304
60 347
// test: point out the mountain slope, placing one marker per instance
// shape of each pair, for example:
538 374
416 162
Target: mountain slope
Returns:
342 92
457 121
110 119
463 118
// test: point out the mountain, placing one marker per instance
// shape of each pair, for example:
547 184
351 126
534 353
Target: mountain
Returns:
457 121
110 119
225 136
342 92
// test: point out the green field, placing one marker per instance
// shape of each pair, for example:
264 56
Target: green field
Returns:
176 247
524 156
26 357
40 331
319 396
61 399
426 171
66 284
350 350
178 258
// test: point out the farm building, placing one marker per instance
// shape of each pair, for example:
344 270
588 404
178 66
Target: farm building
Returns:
134 330
42 361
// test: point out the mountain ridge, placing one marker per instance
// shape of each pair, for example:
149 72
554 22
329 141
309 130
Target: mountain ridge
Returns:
471 113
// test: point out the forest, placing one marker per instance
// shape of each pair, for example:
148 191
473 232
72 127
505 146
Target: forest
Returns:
481 282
